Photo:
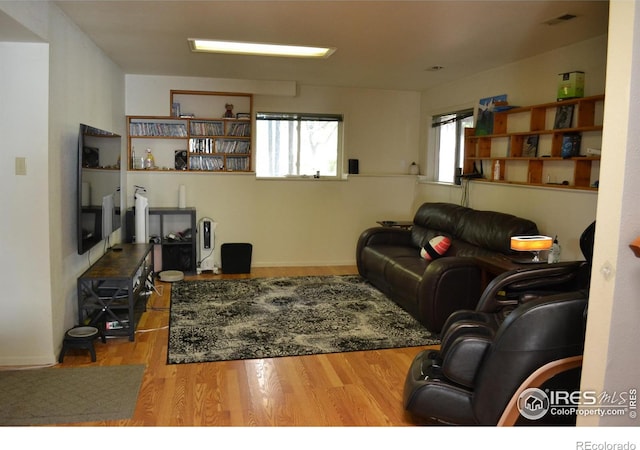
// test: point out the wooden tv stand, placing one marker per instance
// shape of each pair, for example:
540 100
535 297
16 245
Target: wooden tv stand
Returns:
113 292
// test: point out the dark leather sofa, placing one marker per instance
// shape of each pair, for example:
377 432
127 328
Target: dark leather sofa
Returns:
389 258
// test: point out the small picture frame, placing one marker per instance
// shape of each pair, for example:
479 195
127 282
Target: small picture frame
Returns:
180 160
530 147
564 117
571 145
485 111
175 110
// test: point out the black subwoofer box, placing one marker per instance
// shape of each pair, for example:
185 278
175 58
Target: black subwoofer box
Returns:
236 257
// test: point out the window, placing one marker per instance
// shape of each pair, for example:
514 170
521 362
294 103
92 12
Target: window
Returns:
298 144
450 142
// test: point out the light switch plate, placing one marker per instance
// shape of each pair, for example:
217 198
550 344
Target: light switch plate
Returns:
21 165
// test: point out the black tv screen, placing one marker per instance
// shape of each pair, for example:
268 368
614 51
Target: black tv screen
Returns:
98 201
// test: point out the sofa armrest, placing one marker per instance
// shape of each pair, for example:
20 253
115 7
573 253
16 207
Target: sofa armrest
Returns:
449 284
384 236
381 236
547 278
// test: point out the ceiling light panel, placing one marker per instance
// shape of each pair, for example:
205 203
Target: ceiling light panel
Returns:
255 48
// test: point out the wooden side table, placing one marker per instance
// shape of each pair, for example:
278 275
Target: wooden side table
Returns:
405 224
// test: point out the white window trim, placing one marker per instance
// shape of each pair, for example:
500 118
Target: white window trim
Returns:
340 175
433 154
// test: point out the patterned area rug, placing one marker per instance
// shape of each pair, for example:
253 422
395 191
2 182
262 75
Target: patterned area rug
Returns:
224 320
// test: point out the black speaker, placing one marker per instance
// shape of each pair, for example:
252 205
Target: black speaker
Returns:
354 166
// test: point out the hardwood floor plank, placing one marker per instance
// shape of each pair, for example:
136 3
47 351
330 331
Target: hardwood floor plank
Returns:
340 389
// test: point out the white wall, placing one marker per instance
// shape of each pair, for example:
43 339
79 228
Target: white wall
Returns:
26 319
611 360
296 222
47 95
565 213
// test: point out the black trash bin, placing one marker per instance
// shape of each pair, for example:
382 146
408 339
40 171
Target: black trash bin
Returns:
236 257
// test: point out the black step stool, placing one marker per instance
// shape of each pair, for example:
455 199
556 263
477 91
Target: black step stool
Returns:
81 337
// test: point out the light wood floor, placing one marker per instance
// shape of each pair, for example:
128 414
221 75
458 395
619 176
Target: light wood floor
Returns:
345 389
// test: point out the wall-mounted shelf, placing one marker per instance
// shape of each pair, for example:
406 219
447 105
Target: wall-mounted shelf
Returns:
197 137
515 131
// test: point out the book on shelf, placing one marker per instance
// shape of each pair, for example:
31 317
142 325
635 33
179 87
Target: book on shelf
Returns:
564 117
571 145
530 147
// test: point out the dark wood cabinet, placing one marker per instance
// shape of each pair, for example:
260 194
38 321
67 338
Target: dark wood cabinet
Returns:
113 292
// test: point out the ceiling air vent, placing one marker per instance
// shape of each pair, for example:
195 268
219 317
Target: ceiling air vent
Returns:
559 19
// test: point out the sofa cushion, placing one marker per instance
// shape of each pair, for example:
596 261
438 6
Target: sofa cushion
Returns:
375 258
435 219
493 230
487 230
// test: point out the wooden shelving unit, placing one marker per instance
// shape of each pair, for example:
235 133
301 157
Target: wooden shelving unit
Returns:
512 128
171 253
197 137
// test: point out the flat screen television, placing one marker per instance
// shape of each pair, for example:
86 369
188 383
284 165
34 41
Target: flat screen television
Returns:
98 201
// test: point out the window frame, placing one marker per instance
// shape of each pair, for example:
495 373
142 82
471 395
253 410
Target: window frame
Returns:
460 116
301 117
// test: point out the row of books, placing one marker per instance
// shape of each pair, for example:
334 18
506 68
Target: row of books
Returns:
207 128
232 146
212 163
201 145
237 163
157 129
163 129
240 129
206 163
209 145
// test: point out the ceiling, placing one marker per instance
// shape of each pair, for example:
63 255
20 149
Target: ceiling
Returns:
380 44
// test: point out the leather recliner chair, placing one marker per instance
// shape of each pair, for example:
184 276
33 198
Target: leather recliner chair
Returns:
525 319
510 289
472 378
